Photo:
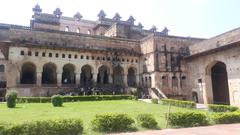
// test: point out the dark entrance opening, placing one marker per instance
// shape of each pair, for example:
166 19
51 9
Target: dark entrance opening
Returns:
49 75
195 97
68 75
220 84
131 77
102 77
86 76
118 76
28 74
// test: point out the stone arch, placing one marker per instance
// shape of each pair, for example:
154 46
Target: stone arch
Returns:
49 74
195 96
28 73
103 75
131 76
217 83
118 74
68 74
86 75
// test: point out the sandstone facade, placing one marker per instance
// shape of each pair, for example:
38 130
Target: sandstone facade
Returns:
59 54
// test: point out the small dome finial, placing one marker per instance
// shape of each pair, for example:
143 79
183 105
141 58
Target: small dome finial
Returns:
131 20
101 15
117 17
77 16
154 28
36 9
57 12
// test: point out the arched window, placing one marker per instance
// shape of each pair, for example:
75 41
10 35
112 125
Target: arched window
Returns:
89 32
183 81
67 29
2 68
78 30
164 81
174 81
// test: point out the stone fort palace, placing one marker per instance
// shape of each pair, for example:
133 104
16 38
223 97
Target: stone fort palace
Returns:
62 55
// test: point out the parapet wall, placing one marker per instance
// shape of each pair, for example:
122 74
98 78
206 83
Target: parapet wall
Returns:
222 40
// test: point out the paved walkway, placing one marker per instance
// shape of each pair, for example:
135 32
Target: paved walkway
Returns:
230 129
199 106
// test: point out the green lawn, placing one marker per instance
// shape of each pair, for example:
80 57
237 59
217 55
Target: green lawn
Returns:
84 110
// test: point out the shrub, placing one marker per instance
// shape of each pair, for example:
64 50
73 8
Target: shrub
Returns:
226 118
147 121
154 100
112 123
47 127
179 103
76 98
187 119
57 100
11 97
222 108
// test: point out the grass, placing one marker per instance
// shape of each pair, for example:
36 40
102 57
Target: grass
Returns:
84 110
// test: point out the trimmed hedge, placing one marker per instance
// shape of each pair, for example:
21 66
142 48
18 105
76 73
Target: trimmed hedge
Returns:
57 100
187 119
154 100
46 127
179 103
112 123
222 108
75 98
11 97
147 121
226 118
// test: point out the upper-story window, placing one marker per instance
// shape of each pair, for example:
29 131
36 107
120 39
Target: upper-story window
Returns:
2 68
89 32
78 30
22 52
67 29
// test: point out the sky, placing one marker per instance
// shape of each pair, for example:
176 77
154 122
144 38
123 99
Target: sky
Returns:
194 18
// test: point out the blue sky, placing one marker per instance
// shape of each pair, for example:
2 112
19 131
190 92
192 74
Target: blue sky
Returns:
195 18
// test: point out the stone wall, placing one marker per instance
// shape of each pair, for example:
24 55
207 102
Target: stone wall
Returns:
94 59
199 74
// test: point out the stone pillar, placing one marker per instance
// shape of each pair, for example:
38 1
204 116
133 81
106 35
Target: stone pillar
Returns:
59 79
125 80
94 78
110 79
39 79
137 80
78 75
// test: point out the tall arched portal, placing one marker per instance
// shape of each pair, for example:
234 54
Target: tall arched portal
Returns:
220 84
118 76
28 73
49 74
68 75
86 76
131 77
103 73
